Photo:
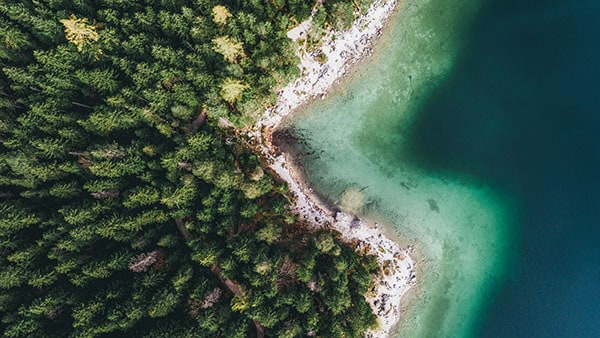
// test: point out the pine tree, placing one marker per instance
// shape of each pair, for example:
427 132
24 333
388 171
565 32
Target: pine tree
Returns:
128 203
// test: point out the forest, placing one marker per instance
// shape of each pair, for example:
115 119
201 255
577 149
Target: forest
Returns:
130 203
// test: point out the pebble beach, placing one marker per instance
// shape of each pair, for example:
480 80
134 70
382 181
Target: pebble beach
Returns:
341 49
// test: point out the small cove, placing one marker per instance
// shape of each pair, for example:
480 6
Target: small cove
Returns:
357 140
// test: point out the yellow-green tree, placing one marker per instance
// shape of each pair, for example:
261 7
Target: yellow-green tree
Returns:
229 48
231 90
220 14
79 32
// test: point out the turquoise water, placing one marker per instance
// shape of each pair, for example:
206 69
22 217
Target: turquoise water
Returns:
520 110
358 139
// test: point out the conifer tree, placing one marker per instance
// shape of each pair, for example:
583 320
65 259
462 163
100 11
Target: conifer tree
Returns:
126 208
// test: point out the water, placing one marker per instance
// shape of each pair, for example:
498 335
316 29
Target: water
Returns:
478 142
521 112
359 139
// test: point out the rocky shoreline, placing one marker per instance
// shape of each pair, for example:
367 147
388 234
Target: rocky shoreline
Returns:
341 50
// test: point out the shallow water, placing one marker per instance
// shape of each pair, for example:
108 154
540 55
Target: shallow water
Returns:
360 139
478 142
520 111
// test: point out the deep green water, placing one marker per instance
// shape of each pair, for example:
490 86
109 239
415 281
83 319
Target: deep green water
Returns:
360 138
474 134
521 112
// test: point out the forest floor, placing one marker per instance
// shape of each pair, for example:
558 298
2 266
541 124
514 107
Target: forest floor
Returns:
319 74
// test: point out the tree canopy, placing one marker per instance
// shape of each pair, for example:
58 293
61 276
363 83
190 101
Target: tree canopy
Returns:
126 208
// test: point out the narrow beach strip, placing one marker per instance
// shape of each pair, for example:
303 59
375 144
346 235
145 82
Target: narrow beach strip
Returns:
342 49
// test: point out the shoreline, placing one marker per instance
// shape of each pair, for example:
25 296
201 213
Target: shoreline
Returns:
342 50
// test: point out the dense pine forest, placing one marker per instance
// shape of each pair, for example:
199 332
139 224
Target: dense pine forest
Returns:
130 203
